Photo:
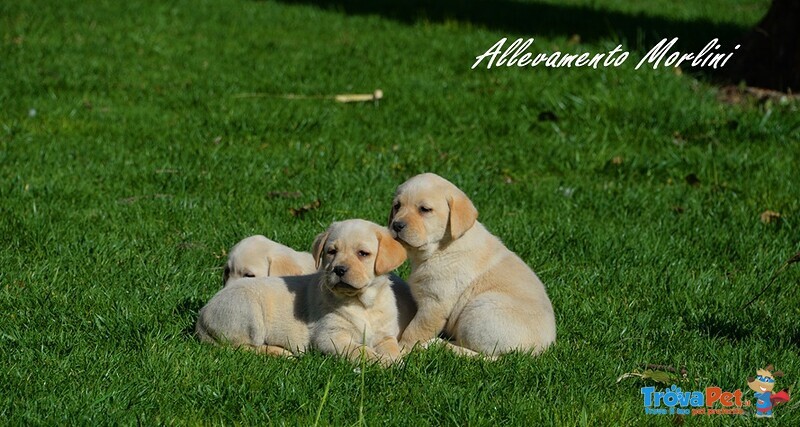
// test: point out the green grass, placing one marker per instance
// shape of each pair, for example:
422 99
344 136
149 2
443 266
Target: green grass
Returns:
142 165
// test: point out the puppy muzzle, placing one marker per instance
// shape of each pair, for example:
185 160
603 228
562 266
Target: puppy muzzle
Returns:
398 226
346 287
336 285
403 241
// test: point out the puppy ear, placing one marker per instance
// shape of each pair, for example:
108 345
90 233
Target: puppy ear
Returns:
283 266
316 248
391 253
462 214
391 216
226 274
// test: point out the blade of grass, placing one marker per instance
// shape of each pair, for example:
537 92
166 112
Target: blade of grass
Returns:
324 399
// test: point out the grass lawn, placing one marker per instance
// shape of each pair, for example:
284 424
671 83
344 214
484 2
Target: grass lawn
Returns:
139 140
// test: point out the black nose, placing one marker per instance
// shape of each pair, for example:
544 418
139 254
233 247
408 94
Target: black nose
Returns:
398 226
340 270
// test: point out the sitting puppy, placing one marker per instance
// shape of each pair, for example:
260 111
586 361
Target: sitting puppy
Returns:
346 308
257 256
466 283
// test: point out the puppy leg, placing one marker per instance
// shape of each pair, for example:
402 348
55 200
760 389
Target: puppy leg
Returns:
271 350
369 355
388 349
427 324
343 343
497 324
458 350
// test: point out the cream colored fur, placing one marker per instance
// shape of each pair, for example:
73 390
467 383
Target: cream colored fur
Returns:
466 283
346 314
257 256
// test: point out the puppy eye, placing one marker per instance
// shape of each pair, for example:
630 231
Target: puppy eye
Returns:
425 209
396 206
332 251
363 254
249 275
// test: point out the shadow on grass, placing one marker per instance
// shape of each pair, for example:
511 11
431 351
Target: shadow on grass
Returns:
637 31
735 329
727 328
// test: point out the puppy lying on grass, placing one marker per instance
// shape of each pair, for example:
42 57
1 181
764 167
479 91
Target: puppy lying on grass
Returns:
346 308
466 283
257 256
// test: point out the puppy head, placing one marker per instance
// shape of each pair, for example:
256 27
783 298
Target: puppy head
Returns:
765 381
257 256
428 209
248 258
352 253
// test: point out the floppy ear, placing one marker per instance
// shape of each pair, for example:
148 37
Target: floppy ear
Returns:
391 253
391 216
462 214
316 248
283 266
226 274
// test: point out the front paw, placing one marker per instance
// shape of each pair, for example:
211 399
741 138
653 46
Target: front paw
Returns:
406 346
387 362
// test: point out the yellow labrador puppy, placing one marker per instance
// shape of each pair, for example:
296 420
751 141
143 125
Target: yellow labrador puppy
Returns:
345 308
257 256
466 283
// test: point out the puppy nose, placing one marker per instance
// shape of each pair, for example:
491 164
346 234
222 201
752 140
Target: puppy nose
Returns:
340 270
398 226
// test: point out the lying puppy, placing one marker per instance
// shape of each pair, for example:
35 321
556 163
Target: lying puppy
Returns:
257 256
346 308
466 283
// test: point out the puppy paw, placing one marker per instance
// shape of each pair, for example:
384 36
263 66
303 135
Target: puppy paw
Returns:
430 342
457 349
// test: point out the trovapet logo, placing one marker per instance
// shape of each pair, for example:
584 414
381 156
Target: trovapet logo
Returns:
674 401
762 386
715 400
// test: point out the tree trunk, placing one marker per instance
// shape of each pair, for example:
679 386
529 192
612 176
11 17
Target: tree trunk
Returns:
770 54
